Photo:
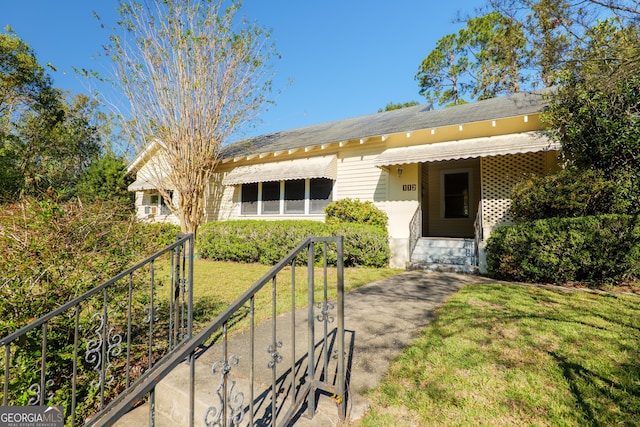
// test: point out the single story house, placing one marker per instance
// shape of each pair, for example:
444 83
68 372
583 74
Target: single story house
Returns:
440 175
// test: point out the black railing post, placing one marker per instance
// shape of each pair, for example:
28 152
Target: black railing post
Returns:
7 357
311 398
43 372
341 350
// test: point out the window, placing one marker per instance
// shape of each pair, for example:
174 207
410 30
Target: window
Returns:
456 194
291 197
271 197
249 205
152 207
294 196
320 194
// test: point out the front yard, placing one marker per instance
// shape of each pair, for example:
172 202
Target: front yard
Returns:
499 355
495 355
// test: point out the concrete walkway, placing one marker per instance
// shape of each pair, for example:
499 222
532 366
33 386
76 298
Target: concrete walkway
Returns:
381 319
385 317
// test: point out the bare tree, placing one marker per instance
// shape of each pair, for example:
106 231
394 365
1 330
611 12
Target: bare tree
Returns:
194 74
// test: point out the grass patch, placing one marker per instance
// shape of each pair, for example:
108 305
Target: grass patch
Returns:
499 355
217 284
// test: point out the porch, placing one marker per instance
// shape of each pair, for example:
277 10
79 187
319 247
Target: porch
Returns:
460 197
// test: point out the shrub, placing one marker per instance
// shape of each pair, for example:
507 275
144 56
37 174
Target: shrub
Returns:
51 252
267 242
593 250
575 193
356 211
364 245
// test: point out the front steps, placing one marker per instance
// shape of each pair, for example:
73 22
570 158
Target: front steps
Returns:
450 255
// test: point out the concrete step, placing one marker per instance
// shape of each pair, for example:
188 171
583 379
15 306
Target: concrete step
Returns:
443 268
140 417
172 393
444 255
422 251
440 259
434 242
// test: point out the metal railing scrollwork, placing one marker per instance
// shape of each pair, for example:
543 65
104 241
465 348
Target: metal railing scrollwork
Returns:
93 348
415 229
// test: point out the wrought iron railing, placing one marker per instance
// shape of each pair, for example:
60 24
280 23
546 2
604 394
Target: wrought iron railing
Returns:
415 229
478 233
98 345
247 386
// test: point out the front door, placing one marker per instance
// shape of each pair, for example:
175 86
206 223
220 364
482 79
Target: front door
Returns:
450 196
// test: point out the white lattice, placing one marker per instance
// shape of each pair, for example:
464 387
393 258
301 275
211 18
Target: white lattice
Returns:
499 175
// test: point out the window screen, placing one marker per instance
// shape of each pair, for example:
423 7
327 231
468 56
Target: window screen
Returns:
249 199
294 196
271 197
320 194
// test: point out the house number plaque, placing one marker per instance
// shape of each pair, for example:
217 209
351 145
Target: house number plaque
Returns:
409 187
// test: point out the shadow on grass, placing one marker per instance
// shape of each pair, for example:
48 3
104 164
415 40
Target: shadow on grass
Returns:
580 379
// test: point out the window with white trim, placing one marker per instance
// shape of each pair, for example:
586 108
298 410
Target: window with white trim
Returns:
291 197
155 204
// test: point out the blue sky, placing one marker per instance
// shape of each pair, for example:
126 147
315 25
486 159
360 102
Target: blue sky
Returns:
340 58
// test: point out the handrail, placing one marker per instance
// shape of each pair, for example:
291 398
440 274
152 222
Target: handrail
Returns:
186 350
478 233
97 327
11 337
97 349
415 229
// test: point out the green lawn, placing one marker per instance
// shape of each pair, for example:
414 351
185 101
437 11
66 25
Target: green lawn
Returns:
500 355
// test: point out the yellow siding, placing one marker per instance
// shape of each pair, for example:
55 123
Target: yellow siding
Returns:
358 178
220 201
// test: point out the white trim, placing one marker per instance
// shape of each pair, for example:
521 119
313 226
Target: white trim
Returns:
282 200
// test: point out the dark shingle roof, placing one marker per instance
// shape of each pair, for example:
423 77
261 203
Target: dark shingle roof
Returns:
396 121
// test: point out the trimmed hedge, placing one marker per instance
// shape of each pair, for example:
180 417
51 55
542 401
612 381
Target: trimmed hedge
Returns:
575 193
593 250
267 242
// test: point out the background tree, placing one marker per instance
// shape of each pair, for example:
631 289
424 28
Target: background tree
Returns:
398 105
548 27
193 75
440 75
55 150
497 45
482 60
595 115
515 45
45 141
556 28
105 179
24 85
